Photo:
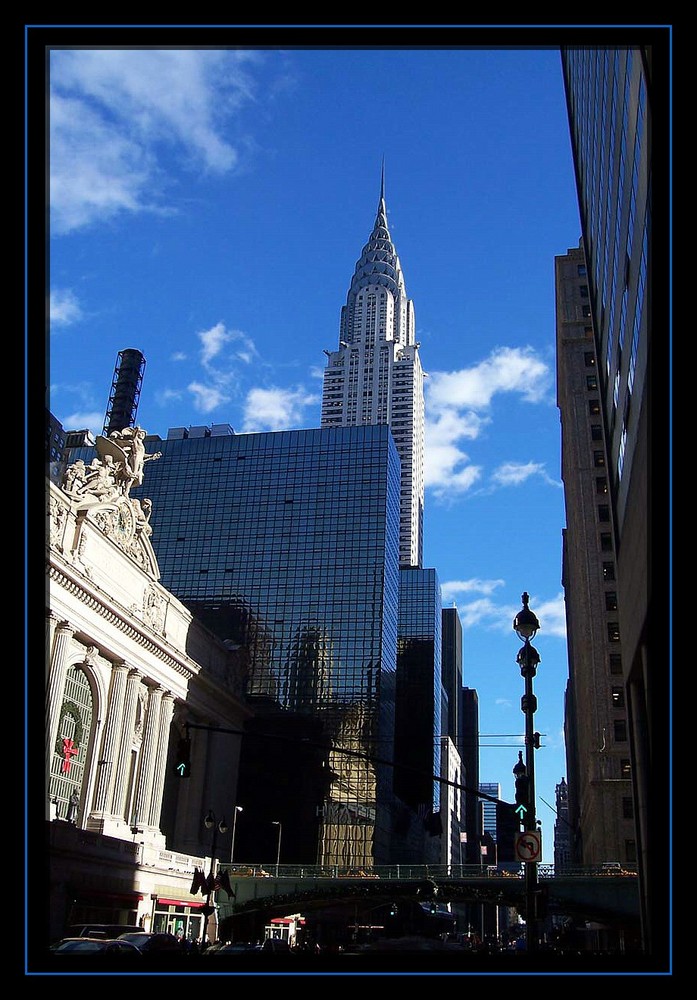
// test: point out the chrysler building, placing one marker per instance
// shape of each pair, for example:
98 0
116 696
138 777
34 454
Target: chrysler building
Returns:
375 376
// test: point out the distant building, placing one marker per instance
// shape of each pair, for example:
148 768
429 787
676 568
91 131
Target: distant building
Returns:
375 375
470 761
55 445
488 809
563 856
600 803
418 700
451 669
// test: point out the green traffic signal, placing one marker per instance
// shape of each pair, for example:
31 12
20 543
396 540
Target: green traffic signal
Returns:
182 762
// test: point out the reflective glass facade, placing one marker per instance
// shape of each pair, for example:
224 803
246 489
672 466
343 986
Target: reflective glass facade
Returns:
286 544
419 689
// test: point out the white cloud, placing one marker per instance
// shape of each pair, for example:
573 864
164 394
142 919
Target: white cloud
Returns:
90 420
164 397
95 172
178 356
276 409
215 339
64 307
451 588
515 473
551 615
114 111
456 410
507 369
206 397
482 611
486 613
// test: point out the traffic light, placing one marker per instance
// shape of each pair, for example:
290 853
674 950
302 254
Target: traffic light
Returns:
522 790
393 909
182 762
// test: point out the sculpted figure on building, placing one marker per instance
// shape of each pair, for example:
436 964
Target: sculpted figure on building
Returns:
117 467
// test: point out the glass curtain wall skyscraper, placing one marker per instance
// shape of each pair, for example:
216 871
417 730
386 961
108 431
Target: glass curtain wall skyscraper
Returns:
285 544
375 375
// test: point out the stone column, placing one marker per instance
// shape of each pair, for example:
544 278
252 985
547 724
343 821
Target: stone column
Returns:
122 765
166 713
55 687
148 757
110 740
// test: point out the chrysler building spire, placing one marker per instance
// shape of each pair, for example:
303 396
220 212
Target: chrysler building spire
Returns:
375 376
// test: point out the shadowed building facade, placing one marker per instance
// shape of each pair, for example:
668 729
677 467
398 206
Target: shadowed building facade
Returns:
618 100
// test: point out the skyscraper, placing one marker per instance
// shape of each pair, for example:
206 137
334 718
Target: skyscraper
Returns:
285 545
451 667
618 108
597 737
470 760
375 376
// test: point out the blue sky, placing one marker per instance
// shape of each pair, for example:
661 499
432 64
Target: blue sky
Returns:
208 207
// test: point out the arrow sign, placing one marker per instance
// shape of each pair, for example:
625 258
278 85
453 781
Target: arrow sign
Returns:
521 809
181 768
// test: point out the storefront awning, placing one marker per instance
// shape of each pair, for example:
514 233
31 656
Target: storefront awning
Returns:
194 904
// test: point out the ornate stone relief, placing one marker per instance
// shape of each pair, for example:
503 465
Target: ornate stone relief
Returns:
102 490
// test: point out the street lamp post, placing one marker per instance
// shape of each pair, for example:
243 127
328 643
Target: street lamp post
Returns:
526 625
238 809
221 827
277 822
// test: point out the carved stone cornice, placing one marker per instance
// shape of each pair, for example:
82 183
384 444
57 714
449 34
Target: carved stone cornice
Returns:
120 618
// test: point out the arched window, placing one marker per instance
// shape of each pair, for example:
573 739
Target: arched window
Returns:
70 750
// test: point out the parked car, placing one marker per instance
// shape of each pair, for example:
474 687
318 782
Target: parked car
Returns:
275 945
96 946
102 930
149 944
233 948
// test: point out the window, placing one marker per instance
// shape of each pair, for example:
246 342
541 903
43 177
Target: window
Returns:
625 769
594 407
606 541
613 631
601 484
603 512
620 727
617 697
615 663
583 289
598 459
581 270
586 310
591 382
630 851
596 432
627 807
590 359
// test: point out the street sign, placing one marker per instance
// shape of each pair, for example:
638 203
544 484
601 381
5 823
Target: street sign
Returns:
528 845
